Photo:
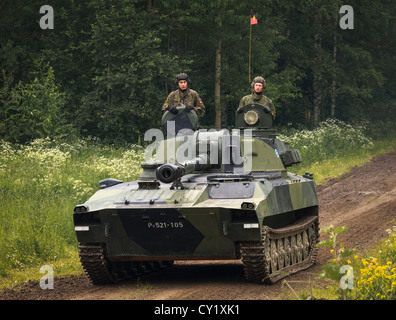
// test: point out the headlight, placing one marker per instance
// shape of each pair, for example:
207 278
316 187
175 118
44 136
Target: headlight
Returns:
251 117
80 209
247 205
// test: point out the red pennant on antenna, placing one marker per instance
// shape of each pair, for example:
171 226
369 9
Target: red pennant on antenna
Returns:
253 19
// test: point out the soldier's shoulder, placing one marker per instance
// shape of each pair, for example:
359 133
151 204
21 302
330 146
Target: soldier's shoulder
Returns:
193 92
247 97
269 100
171 94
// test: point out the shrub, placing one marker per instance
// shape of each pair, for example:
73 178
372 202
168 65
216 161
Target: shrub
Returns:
333 138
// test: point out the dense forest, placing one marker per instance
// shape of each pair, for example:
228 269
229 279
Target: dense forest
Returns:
104 68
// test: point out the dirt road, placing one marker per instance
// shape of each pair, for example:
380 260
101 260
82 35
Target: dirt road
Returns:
363 199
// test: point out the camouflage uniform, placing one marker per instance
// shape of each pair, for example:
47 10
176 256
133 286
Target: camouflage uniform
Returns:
260 99
188 98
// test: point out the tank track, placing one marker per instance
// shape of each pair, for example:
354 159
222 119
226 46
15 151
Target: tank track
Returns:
101 270
281 252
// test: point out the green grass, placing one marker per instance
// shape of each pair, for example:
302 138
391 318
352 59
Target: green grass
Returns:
68 264
335 147
334 167
374 276
41 183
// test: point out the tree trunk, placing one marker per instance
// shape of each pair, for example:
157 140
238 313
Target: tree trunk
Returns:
317 99
217 86
151 4
334 82
317 91
109 98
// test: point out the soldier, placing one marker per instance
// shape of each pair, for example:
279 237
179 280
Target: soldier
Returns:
258 85
183 95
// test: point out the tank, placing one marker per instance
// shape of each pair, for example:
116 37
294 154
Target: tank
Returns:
204 194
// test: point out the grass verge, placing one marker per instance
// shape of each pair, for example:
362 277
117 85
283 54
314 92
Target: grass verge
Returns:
334 167
42 182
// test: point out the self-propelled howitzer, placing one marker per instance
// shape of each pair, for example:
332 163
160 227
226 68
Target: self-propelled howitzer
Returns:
205 195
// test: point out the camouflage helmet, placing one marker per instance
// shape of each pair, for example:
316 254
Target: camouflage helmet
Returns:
182 76
259 80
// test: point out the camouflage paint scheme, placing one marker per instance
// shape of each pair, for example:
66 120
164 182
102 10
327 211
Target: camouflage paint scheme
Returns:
210 211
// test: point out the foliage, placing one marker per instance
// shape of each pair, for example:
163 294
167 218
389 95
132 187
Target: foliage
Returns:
377 279
373 278
377 282
114 63
31 110
40 184
127 68
333 138
339 253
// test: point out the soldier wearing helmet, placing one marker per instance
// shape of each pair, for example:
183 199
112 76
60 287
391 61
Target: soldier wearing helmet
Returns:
183 95
258 85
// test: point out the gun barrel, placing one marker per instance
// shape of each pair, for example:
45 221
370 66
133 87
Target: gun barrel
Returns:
168 172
